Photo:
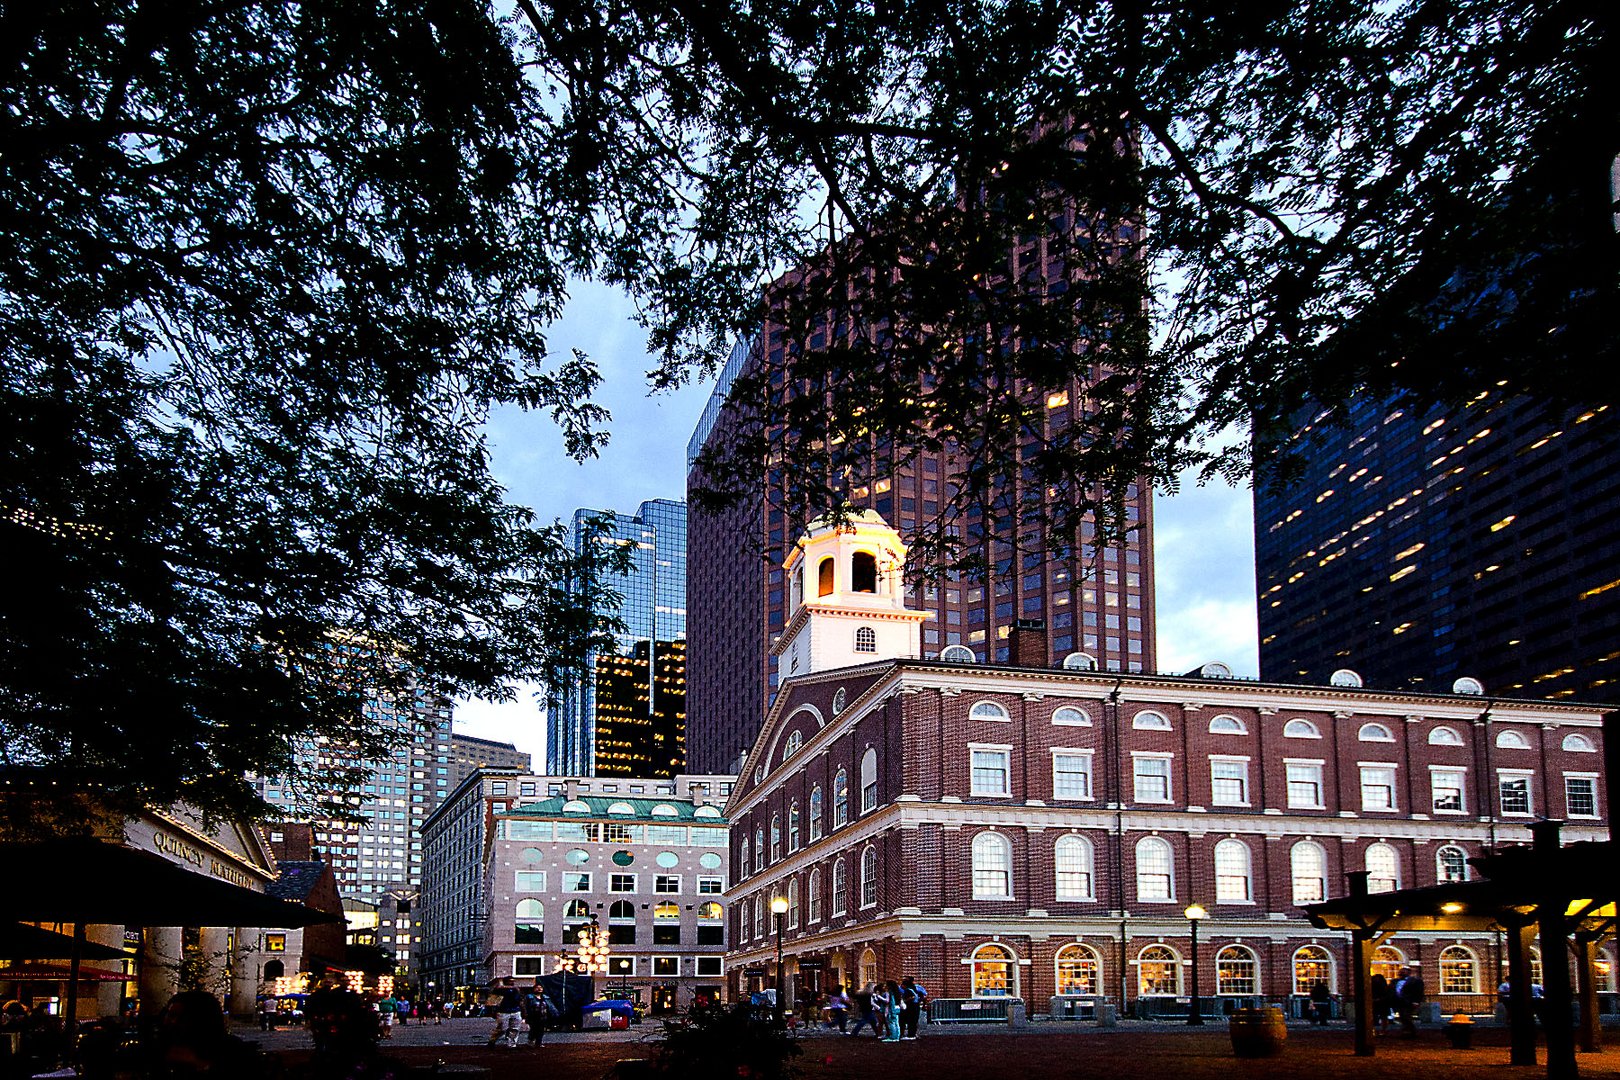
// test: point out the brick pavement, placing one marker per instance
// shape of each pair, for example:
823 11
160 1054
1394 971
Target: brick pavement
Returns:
1132 1052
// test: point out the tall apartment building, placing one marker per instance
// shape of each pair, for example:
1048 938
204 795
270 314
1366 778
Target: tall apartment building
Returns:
377 857
1097 598
468 754
1421 547
1004 832
458 902
627 716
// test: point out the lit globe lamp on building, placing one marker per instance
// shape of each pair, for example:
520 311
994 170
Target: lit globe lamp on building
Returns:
779 906
1195 914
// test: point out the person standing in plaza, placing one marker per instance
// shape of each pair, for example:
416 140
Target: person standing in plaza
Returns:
912 996
388 1008
886 999
1380 1002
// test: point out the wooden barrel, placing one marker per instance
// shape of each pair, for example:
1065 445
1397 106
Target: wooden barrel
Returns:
1258 1033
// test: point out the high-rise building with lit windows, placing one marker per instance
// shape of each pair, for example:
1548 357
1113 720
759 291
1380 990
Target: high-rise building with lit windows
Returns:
1094 598
1419 547
627 716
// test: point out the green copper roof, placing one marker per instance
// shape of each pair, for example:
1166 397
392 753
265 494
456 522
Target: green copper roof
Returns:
588 807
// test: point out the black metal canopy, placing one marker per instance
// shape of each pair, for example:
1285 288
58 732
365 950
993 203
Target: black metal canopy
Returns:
85 880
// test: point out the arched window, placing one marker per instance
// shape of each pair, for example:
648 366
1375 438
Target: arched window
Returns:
995 970
1308 867
863 573
815 813
840 696
1451 864
1383 869
868 967
743 863
274 969
621 910
814 894
776 837
869 787
665 810
1512 740
1299 728
575 909
622 923
759 849
988 710
1155 870
1069 716
792 744
669 910
1312 964
840 887
793 903
1227 725
840 798
1079 971
1444 736
824 577
1459 970
710 911
1075 862
622 808
1148 720
1235 972
1375 733
1387 961
992 867
576 917
793 826
705 811
1158 972
1576 743
1232 874
531 922
865 639
869 883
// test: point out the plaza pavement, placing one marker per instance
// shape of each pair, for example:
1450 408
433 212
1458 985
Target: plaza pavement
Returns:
1131 1051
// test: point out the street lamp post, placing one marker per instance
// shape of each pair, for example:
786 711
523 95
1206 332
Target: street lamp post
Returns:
1194 913
779 906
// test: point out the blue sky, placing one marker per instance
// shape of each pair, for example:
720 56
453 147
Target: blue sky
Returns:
1205 542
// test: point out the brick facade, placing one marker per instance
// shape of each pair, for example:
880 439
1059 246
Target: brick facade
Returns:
919 722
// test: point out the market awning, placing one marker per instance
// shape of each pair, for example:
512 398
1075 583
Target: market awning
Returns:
19 941
85 880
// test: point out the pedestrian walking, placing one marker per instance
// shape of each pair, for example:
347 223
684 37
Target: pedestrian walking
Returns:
1409 992
865 1012
537 1013
388 1008
268 1007
912 997
1321 1003
838 1009
1381 1000
438 1009
508 1004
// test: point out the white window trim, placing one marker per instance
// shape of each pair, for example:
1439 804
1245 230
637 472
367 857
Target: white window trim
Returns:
1316 732
1242 759
1002 748
1387 737
635 881
697 962
1596 789
1529 777
1005 843
680 885
652 966
1321 785
1462 786
1394 806
542 873
1137 725
1084 722
515 960
1091 774
1005 718
707 878
1169 780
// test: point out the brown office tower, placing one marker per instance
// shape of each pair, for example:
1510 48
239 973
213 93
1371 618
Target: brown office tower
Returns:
1087 596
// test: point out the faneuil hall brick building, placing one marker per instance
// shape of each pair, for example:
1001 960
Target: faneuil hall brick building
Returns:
1025 832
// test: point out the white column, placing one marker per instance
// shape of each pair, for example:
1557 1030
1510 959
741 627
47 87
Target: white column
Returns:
160 967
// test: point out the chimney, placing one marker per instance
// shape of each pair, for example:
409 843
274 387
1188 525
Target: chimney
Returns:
1027 644
571 789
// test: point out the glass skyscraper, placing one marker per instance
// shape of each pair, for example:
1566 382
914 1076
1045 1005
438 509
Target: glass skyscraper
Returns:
627 715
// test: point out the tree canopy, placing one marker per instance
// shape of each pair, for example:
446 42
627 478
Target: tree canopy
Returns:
266 267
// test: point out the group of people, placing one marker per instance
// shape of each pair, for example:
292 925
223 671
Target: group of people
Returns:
518 1007
1400 998
891 1009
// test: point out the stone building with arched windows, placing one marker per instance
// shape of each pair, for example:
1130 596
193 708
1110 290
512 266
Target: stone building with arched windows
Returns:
1037 833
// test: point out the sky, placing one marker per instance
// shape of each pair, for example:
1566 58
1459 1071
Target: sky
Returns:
1204 536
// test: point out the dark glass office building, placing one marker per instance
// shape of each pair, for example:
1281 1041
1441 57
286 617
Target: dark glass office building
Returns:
1095 598
628 717
1422 547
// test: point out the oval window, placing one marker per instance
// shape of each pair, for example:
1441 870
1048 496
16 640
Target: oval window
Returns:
709 861
667 859
578 857
623 858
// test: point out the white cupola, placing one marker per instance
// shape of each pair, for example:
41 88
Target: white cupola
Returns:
846 598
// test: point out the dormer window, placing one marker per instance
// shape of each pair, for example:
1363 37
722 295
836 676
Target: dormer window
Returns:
863 572
824 577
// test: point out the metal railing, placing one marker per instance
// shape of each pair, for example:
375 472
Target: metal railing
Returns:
970 1010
